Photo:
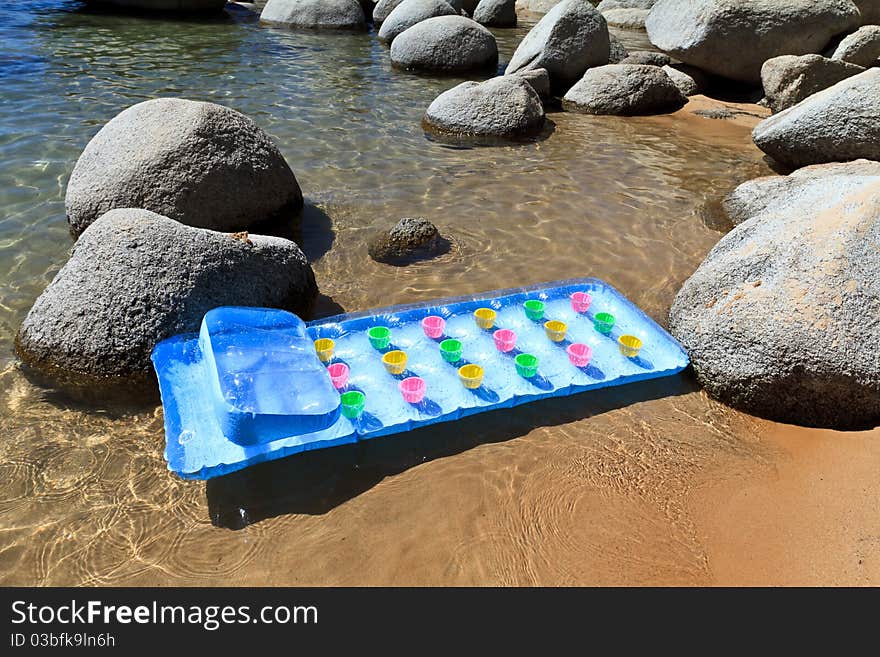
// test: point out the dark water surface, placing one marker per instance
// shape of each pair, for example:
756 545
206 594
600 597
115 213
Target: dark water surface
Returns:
583 490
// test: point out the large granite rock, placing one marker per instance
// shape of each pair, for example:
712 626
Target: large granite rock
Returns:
315 14
624 89
801 191
626 18
506 106
782 319
568 40
838 124
199 163
164 5
135 278
732 38
410 12
788 79
383 8
445 44
862 47
496 13
538 79
689 79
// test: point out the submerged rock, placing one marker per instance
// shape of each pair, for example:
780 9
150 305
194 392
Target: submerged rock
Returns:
862 47
505 106
411 12
135 278
445 44
782 319
411 239
626 18
202 164
624 89
732 38
570 38
327 14
496 13
788 79
838 124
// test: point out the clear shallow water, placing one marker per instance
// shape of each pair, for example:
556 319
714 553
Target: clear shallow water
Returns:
554 493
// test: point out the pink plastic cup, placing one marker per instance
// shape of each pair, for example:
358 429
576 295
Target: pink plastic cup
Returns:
433 326
505 339
580 302
338 375
413 389
579 354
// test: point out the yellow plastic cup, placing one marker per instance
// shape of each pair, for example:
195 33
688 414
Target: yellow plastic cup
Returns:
485 317
395 361
471 376
555 330
629 345
324 347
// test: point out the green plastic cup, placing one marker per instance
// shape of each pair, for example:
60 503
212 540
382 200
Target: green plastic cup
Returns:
534 309
450 350
603 322
526 365
352 404
380 337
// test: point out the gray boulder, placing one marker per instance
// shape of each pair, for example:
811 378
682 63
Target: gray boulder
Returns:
410 12
568 40
409 240
626 18
788 79
732 38
838 124
862 47
445 44
606 5
624 89
165 5
505 107
538 79
689 79
617 52
646 57
315 14
135 278
199 163
803 190
496 13
383 8
782 319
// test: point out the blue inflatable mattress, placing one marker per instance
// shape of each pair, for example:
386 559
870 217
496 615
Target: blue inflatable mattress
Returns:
258 384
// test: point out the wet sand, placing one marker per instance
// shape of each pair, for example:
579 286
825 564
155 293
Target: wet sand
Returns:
809 519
